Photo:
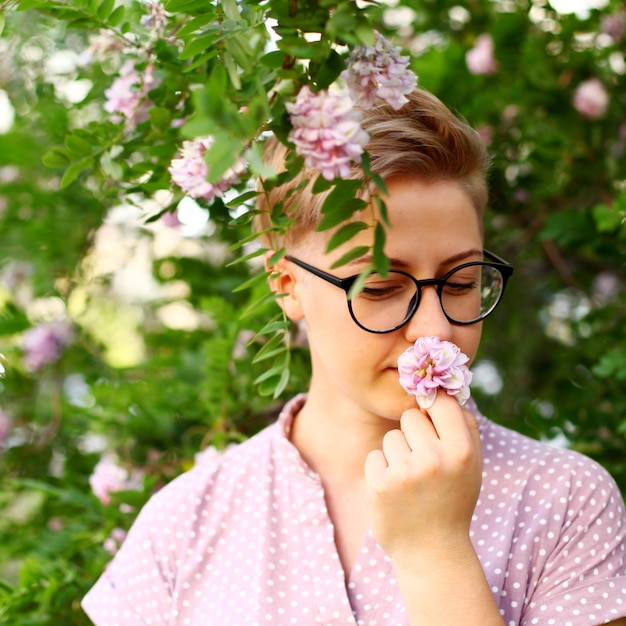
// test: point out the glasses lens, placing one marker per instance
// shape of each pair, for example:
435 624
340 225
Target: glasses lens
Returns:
384 303
472 292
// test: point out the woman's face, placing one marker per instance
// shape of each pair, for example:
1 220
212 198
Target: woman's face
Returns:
434 228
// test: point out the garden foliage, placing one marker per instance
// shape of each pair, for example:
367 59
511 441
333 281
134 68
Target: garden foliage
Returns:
136 327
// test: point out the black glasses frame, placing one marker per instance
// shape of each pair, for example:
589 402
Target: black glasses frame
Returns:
505 269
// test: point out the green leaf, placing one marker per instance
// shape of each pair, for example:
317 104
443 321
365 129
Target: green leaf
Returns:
186 6
277 324
270 373
611 365
255 280
607 218
282 383
341 213
71 174
321 184
105 9
345 233
273 59
357 286
203 43
344 191
77 145
258 304
256 164
330 70
161 117
196 24
55 157
247 257
373 176
381 262
351 255
116 18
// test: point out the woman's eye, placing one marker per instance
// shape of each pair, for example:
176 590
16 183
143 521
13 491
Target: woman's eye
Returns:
382 290
460 286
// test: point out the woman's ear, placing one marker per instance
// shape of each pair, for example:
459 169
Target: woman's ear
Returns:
284 282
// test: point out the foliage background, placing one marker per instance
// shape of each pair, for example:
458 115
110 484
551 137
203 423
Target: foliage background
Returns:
159 365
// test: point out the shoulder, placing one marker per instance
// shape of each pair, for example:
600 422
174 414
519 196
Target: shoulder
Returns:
214 468
537 472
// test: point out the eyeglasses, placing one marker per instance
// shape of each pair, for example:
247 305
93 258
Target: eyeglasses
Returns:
468 293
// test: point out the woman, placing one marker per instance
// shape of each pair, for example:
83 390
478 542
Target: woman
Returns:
357 507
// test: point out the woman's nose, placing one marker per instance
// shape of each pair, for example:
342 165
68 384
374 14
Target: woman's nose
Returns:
429 320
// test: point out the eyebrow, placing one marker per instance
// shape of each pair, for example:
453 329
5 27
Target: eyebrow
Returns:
461 256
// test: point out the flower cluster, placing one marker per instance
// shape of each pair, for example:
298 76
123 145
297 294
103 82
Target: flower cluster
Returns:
591 99
480 59
432 364
189 170
46 343
379 71
156 18
109 477
326 130
127 98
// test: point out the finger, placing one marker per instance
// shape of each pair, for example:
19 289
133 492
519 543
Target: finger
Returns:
473 426
395 445
375 465
449 419
417 427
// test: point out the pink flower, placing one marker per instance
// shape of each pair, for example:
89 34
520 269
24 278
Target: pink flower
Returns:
156 18
326 130
190 171
109 477
379 71
591 99
46 343
614 25
127 96
113 542
480 59
432 364
6 424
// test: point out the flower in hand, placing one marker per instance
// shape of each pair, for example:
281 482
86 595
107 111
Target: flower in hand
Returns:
432 364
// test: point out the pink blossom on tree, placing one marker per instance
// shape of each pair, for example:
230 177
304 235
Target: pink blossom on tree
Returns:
156 18
108 477
189 170
480 59
326 130
46 343
6 424
379 71
591 99
432 364
127 98
113 542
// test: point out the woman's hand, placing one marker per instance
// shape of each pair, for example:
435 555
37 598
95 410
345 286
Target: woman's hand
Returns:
422 489
423 485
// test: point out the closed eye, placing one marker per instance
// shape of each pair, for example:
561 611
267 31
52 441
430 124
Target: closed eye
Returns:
382 292
460 287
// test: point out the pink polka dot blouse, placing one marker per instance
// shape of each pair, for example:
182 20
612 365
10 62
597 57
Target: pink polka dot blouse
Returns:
244 538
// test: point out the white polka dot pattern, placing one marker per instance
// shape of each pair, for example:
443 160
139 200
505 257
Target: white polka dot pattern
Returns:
245 539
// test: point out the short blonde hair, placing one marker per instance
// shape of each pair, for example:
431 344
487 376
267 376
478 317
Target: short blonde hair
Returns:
423 140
